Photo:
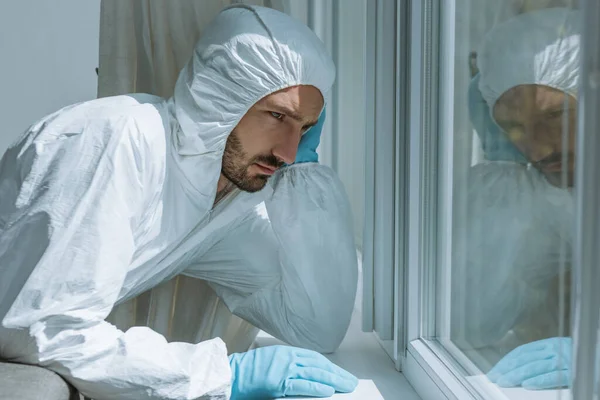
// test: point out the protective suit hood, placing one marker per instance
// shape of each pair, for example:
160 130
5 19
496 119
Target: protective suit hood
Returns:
536 48
245 54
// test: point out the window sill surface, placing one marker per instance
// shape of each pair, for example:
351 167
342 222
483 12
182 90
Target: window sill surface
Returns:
434 379
492 391
361 355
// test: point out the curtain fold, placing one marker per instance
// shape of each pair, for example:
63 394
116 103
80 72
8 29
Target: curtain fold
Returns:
143 46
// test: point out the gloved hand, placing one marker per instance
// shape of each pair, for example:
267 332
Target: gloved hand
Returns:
545 364
278 371
307 149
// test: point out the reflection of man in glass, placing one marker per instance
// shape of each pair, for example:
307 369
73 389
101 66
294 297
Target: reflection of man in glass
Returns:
533 116
528 78
529 72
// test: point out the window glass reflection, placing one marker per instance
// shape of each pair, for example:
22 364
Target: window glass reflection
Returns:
512 247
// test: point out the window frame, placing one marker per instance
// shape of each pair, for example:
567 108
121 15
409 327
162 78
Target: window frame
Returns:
382 309
424 58
437 368
428 365
587 229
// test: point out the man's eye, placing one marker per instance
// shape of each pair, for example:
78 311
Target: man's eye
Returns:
556 113
276 115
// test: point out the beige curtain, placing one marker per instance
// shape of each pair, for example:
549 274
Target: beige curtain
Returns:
145 43
143 46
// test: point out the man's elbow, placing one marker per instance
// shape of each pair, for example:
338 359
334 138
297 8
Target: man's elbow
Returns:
324 341
324 332
334 316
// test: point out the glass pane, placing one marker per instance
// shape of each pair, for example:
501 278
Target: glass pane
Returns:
514 101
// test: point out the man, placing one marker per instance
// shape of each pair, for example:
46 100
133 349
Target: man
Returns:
529 68
106 199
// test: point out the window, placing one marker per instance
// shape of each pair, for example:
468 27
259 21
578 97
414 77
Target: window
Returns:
483 237
506 137
384 186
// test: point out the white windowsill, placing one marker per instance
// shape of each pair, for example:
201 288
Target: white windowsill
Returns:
361 355
493 391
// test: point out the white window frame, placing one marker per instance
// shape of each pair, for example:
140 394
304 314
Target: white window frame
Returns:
381 312
397 117
586 249
428 366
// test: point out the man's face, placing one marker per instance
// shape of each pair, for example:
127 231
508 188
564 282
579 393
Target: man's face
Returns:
540 122
268 136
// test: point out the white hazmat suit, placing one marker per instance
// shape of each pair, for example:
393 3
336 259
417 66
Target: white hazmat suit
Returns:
509 247
103 200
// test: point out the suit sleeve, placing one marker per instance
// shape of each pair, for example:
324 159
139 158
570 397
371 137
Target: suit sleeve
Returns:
290 266
68 212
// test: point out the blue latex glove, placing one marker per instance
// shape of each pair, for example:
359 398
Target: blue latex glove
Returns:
278 371
307 149
545 364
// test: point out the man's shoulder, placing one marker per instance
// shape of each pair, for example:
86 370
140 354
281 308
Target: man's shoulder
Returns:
140 117
134 107
146 115
138 122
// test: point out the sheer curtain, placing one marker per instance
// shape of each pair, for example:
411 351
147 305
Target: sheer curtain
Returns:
143 46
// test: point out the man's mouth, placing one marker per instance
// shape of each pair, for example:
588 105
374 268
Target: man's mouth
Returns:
553 167
266 169
551 164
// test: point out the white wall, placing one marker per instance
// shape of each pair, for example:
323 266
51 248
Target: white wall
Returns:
48 56
297 9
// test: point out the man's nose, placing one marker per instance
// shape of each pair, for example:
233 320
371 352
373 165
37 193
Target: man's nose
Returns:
287 148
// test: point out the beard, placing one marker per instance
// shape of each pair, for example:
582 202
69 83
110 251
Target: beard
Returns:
235 166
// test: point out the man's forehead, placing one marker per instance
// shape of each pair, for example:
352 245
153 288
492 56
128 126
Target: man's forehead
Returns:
526 99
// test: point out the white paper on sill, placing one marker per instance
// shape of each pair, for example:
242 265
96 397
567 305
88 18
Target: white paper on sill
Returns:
494 392
366 390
